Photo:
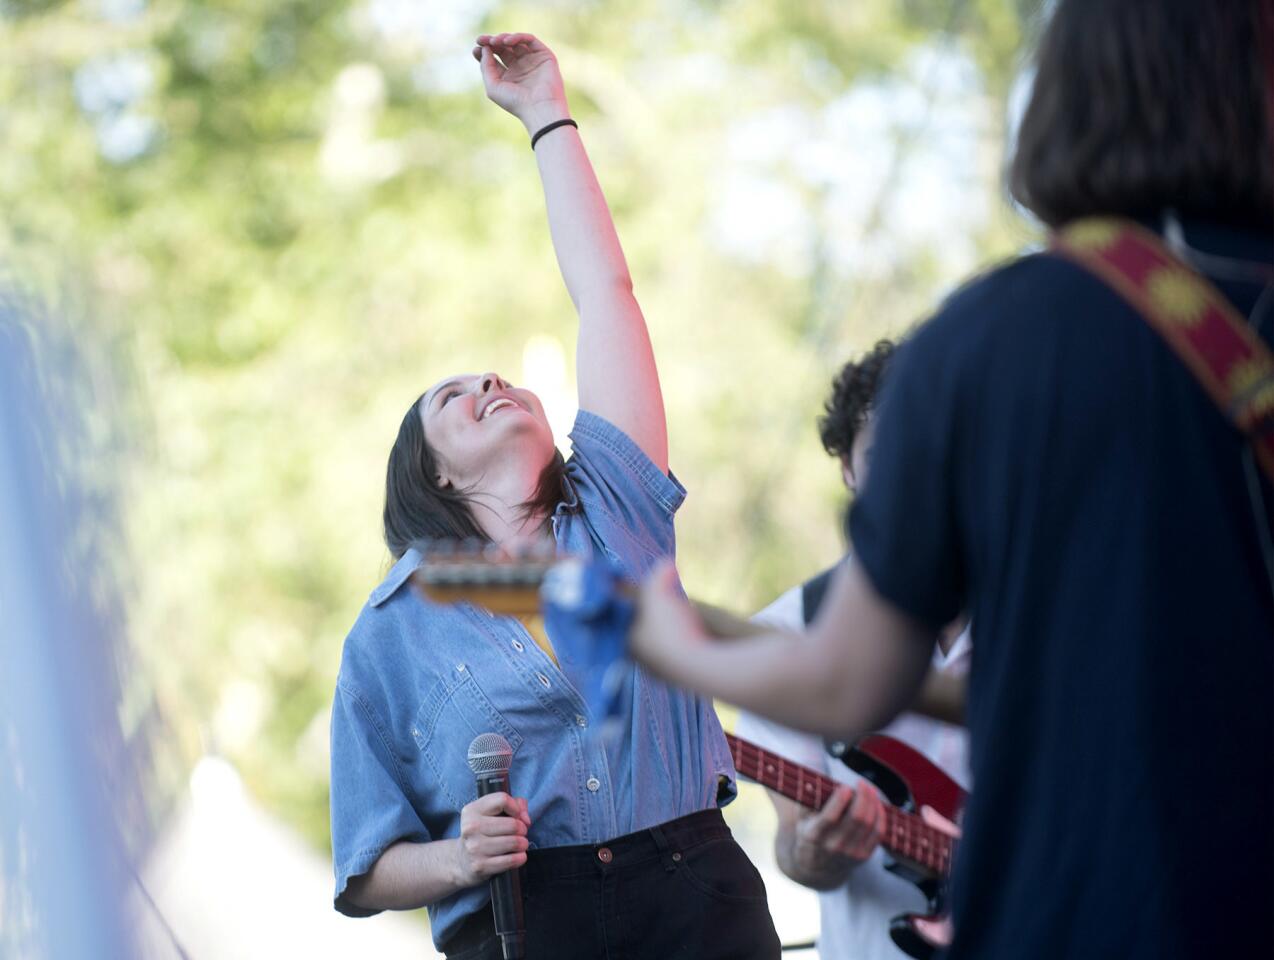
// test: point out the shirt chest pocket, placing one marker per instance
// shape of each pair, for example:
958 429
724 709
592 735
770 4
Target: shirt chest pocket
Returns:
452 714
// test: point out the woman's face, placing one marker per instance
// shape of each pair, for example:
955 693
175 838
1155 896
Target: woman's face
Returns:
472 419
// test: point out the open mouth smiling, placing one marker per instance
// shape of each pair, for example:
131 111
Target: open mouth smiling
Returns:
497 404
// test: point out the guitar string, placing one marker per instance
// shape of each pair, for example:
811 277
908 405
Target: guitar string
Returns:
919 840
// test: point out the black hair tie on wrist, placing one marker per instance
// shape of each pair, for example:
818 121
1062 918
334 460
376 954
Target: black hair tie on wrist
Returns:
568 122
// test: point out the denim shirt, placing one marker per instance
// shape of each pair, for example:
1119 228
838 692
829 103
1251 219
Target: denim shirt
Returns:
419 681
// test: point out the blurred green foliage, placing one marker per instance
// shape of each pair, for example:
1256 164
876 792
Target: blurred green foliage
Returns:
297 214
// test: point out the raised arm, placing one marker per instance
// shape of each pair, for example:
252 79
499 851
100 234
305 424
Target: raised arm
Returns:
616 373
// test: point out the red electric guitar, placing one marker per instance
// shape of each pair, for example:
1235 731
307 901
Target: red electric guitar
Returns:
921 853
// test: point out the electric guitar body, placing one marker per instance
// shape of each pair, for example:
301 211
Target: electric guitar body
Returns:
908 780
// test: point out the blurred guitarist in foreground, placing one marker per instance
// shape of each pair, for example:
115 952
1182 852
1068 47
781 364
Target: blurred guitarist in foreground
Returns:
1078 450
836 850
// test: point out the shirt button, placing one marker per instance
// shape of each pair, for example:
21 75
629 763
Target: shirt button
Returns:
517 645
460 668
604 855
593 784
581 720
544 680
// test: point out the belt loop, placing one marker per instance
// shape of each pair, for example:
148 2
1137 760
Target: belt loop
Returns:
662 845
661 842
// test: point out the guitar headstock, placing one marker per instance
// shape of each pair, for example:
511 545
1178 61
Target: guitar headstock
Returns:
504 582
587 606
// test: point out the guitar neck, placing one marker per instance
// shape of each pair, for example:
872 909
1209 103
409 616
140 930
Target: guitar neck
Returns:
906 836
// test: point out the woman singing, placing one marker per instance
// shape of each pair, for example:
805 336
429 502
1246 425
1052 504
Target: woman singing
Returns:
620 844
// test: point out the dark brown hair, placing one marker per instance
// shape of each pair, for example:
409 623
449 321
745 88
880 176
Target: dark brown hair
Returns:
417 508
1140 106
854 393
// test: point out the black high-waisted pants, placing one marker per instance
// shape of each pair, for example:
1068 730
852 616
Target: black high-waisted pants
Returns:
682 889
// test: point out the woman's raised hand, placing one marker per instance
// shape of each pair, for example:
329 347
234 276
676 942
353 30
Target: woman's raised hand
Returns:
521 75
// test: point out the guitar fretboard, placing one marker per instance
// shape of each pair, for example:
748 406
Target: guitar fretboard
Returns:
906 835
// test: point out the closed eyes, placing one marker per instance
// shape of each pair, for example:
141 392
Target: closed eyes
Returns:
448 392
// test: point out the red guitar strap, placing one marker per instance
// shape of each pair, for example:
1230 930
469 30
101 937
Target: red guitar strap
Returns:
1201 326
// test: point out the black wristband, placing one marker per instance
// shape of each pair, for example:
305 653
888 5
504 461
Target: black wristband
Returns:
568 122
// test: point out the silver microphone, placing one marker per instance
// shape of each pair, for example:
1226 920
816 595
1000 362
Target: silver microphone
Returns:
490 757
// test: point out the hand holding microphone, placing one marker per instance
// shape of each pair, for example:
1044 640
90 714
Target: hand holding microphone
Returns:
493 840
492 837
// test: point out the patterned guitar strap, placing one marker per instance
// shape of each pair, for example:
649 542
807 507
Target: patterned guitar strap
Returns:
1202 327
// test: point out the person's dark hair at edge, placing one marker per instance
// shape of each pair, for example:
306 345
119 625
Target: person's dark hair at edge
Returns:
1140 106
416 508
854 393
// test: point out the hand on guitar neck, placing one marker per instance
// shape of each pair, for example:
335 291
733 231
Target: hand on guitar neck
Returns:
819 848
487 577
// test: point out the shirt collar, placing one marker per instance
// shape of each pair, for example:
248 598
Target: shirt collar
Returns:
398 575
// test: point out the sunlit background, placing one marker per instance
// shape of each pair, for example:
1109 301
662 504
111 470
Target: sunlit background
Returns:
270 224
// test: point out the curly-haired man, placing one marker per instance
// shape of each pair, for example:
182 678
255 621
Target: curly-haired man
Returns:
846 426
835 850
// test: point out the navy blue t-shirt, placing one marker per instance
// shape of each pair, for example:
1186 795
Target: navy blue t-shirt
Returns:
1046 463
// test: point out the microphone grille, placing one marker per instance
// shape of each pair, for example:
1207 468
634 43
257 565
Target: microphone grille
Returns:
490 753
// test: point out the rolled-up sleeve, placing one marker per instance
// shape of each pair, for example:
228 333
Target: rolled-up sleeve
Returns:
613 474
369 805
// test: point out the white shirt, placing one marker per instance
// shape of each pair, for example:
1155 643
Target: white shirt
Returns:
854 918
